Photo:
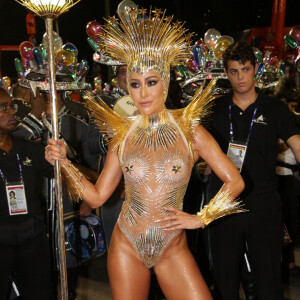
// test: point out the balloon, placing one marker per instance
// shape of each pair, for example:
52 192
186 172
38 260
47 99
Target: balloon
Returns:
37 54
57 41
83 70
210 38
70 47
64 58
19 66
26 50
98 83
273 60
107 88
114 82
291 41
24 62
295 33
297 63
204 48
83 65
260 69
94 30
127 7
221 45
93 44
181 70
192 66
6 81
257 54
88 86
44 51
198 55
209 64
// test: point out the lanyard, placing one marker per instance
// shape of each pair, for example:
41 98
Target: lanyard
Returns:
20 170
251 125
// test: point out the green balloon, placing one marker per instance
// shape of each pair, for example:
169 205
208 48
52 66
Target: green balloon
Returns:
19 66
93 44
291 41
44 51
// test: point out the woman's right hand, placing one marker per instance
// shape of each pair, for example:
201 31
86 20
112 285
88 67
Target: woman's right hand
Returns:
56 150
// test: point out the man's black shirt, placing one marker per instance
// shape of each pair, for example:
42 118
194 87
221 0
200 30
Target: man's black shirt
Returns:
273 120
34 167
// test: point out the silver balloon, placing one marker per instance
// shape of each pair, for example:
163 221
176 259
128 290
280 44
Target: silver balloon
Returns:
57 41
125 8
210 38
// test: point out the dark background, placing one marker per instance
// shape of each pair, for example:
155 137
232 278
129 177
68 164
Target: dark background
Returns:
230 17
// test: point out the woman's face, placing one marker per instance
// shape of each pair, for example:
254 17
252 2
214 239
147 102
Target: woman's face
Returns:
7 113
147 92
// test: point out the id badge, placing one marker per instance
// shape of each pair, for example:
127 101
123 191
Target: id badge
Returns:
16 199
237 152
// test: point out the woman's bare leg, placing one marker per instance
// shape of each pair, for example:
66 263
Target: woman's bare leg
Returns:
178 274
129 278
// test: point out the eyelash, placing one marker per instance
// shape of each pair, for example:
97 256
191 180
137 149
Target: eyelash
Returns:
135 85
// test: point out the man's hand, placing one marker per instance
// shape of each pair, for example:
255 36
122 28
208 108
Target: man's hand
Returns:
85 210
203 168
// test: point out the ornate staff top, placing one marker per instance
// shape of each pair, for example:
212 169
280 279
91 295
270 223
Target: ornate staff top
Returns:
48 8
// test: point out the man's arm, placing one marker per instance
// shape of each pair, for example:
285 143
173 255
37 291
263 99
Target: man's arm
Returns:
32 127
294 143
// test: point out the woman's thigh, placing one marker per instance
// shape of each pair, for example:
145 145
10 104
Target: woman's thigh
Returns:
129 278
178 274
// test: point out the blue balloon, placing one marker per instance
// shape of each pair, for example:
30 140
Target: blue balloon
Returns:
37 55
70 47
198 55
260 69
83 65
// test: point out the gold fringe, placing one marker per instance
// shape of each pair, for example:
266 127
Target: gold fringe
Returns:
197 111
113 126
221 205
72 178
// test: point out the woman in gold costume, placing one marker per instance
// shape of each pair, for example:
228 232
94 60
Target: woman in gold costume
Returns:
155 151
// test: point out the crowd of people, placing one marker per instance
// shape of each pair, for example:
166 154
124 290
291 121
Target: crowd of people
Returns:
245 146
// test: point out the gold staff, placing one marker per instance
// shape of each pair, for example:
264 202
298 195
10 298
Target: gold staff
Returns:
50 10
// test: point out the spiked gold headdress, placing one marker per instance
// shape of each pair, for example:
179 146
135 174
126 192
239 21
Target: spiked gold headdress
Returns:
146 42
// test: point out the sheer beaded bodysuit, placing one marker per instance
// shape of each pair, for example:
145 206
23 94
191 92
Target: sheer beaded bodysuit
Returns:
156 162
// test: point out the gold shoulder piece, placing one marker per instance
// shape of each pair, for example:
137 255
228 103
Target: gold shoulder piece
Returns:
113 126
197 111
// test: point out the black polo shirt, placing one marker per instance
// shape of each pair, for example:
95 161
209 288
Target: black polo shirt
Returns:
273 120
34 167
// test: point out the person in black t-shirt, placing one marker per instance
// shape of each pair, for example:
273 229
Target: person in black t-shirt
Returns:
247 119
24 248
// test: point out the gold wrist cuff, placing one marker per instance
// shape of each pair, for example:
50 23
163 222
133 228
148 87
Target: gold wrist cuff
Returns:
72 177
221 205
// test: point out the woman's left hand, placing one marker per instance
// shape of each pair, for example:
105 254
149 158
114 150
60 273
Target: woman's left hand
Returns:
180 220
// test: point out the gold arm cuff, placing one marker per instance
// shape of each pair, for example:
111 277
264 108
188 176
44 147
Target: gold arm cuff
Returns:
72 177
221 205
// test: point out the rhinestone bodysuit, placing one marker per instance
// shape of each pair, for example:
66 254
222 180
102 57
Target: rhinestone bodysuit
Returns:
156 163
